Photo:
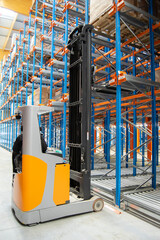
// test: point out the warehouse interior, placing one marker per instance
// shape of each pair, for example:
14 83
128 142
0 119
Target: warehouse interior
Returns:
79 119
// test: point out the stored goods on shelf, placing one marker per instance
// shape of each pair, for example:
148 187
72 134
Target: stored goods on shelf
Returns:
58 95
38 42
10 93
13 41
4 59
45 96
100 9
157 73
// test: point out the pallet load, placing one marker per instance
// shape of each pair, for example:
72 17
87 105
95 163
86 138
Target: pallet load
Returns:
101 12
45 96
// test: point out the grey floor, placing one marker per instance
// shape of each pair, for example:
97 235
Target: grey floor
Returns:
95 226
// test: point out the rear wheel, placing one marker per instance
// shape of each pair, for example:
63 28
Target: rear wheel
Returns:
98 205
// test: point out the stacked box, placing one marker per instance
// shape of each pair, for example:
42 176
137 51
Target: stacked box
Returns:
11 109
157 75
13 41
58 95
10 93
45 96
100 7
38 42
4 59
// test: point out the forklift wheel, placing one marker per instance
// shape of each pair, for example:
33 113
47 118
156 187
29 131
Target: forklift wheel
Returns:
98 205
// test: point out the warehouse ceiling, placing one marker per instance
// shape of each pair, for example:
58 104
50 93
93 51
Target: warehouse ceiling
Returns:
18 6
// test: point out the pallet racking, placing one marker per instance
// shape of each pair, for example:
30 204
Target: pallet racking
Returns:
39 59
126 99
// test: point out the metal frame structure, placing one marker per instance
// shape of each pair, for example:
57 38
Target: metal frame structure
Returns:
40 59
125 101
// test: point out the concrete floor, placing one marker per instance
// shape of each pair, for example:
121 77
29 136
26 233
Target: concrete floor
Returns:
95 226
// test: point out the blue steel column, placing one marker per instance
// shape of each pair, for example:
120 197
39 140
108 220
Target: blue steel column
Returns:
51 76
23 59
61 132
122 131
92 138
143 138
65 87
29 38
127 139
135 122
153 97
86 11
157 140
42 43
108 138
34 53
118 110
55 133
105 137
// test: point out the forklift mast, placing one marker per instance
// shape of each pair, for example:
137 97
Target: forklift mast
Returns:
80 110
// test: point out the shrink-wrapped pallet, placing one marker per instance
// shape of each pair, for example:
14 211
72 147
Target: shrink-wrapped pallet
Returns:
38 43
14 37
58 95
10 91
13 52
100 9
4 60
45 96
157 75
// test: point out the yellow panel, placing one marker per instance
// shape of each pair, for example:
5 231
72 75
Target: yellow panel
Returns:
30 184
3 53
18 6
61 184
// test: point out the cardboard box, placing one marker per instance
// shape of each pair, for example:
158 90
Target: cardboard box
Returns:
58 95
11 109
38 42
9 91
157 75
4 59
13 41
45 96
99 7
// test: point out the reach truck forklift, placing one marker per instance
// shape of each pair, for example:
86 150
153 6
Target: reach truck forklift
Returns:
48 187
